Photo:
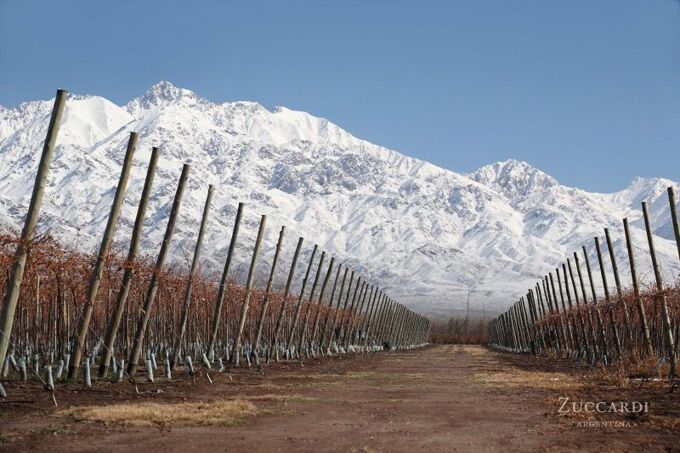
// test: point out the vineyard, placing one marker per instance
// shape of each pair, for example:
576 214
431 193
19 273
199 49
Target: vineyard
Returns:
339 227
73 317
635 326
300 349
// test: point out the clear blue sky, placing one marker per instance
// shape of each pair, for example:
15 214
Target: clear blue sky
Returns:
588 90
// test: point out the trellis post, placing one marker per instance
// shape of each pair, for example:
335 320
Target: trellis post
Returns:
153 286
105 247
121 300
21 254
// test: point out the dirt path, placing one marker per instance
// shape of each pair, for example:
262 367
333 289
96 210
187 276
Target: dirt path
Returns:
443 398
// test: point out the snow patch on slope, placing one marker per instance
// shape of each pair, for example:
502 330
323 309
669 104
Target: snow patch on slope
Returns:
427 235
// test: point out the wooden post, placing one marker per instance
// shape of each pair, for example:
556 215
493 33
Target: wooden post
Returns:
379 335
619 291
367 318
600 324
563 331
396 325
674 217
346 309
585 332
190 282
636 290
267 292
372 316
298 307
36 319
525 309
545 328
104 249
407 325
576 338
522 324
391 325
376 324
21 255
540 309
387 323
517 327
539 300
249 289
310 302
357 312
224 284
114 322
286 293
661 295
610 307
315 328
565 313
519 319
153 286
505 329
333 325
358 291
538 337
555 334
329 313
593 333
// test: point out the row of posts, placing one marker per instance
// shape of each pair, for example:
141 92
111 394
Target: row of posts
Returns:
360 316
559 315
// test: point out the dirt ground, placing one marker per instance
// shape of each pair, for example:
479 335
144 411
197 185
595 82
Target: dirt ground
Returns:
441 398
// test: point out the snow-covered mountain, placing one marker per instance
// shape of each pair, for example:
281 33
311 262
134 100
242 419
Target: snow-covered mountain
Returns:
426 234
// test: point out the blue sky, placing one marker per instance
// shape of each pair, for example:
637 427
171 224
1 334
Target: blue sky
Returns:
587 90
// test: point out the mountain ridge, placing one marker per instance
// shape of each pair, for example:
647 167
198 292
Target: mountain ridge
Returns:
427 234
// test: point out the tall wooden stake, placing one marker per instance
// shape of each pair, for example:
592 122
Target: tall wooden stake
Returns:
636 290
284 300
114 322
609 306
298 307
619 291
315 328
325 345
224 284
593 332
330 310
190 281
14 282
267 292
153 286
235 353
665 318
310 303
104 249
674 218
600 323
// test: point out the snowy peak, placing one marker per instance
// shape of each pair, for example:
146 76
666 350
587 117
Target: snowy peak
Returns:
90 119
425 234
164 102
642 189
514 179
180 112
161 95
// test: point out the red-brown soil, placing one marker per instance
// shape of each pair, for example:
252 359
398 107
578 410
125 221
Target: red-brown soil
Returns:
441 398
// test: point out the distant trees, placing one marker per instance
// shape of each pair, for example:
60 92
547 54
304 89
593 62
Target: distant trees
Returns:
459 329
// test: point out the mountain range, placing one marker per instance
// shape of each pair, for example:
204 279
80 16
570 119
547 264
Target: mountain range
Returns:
429 236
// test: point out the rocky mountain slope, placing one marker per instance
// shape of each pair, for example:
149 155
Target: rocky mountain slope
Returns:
426 234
